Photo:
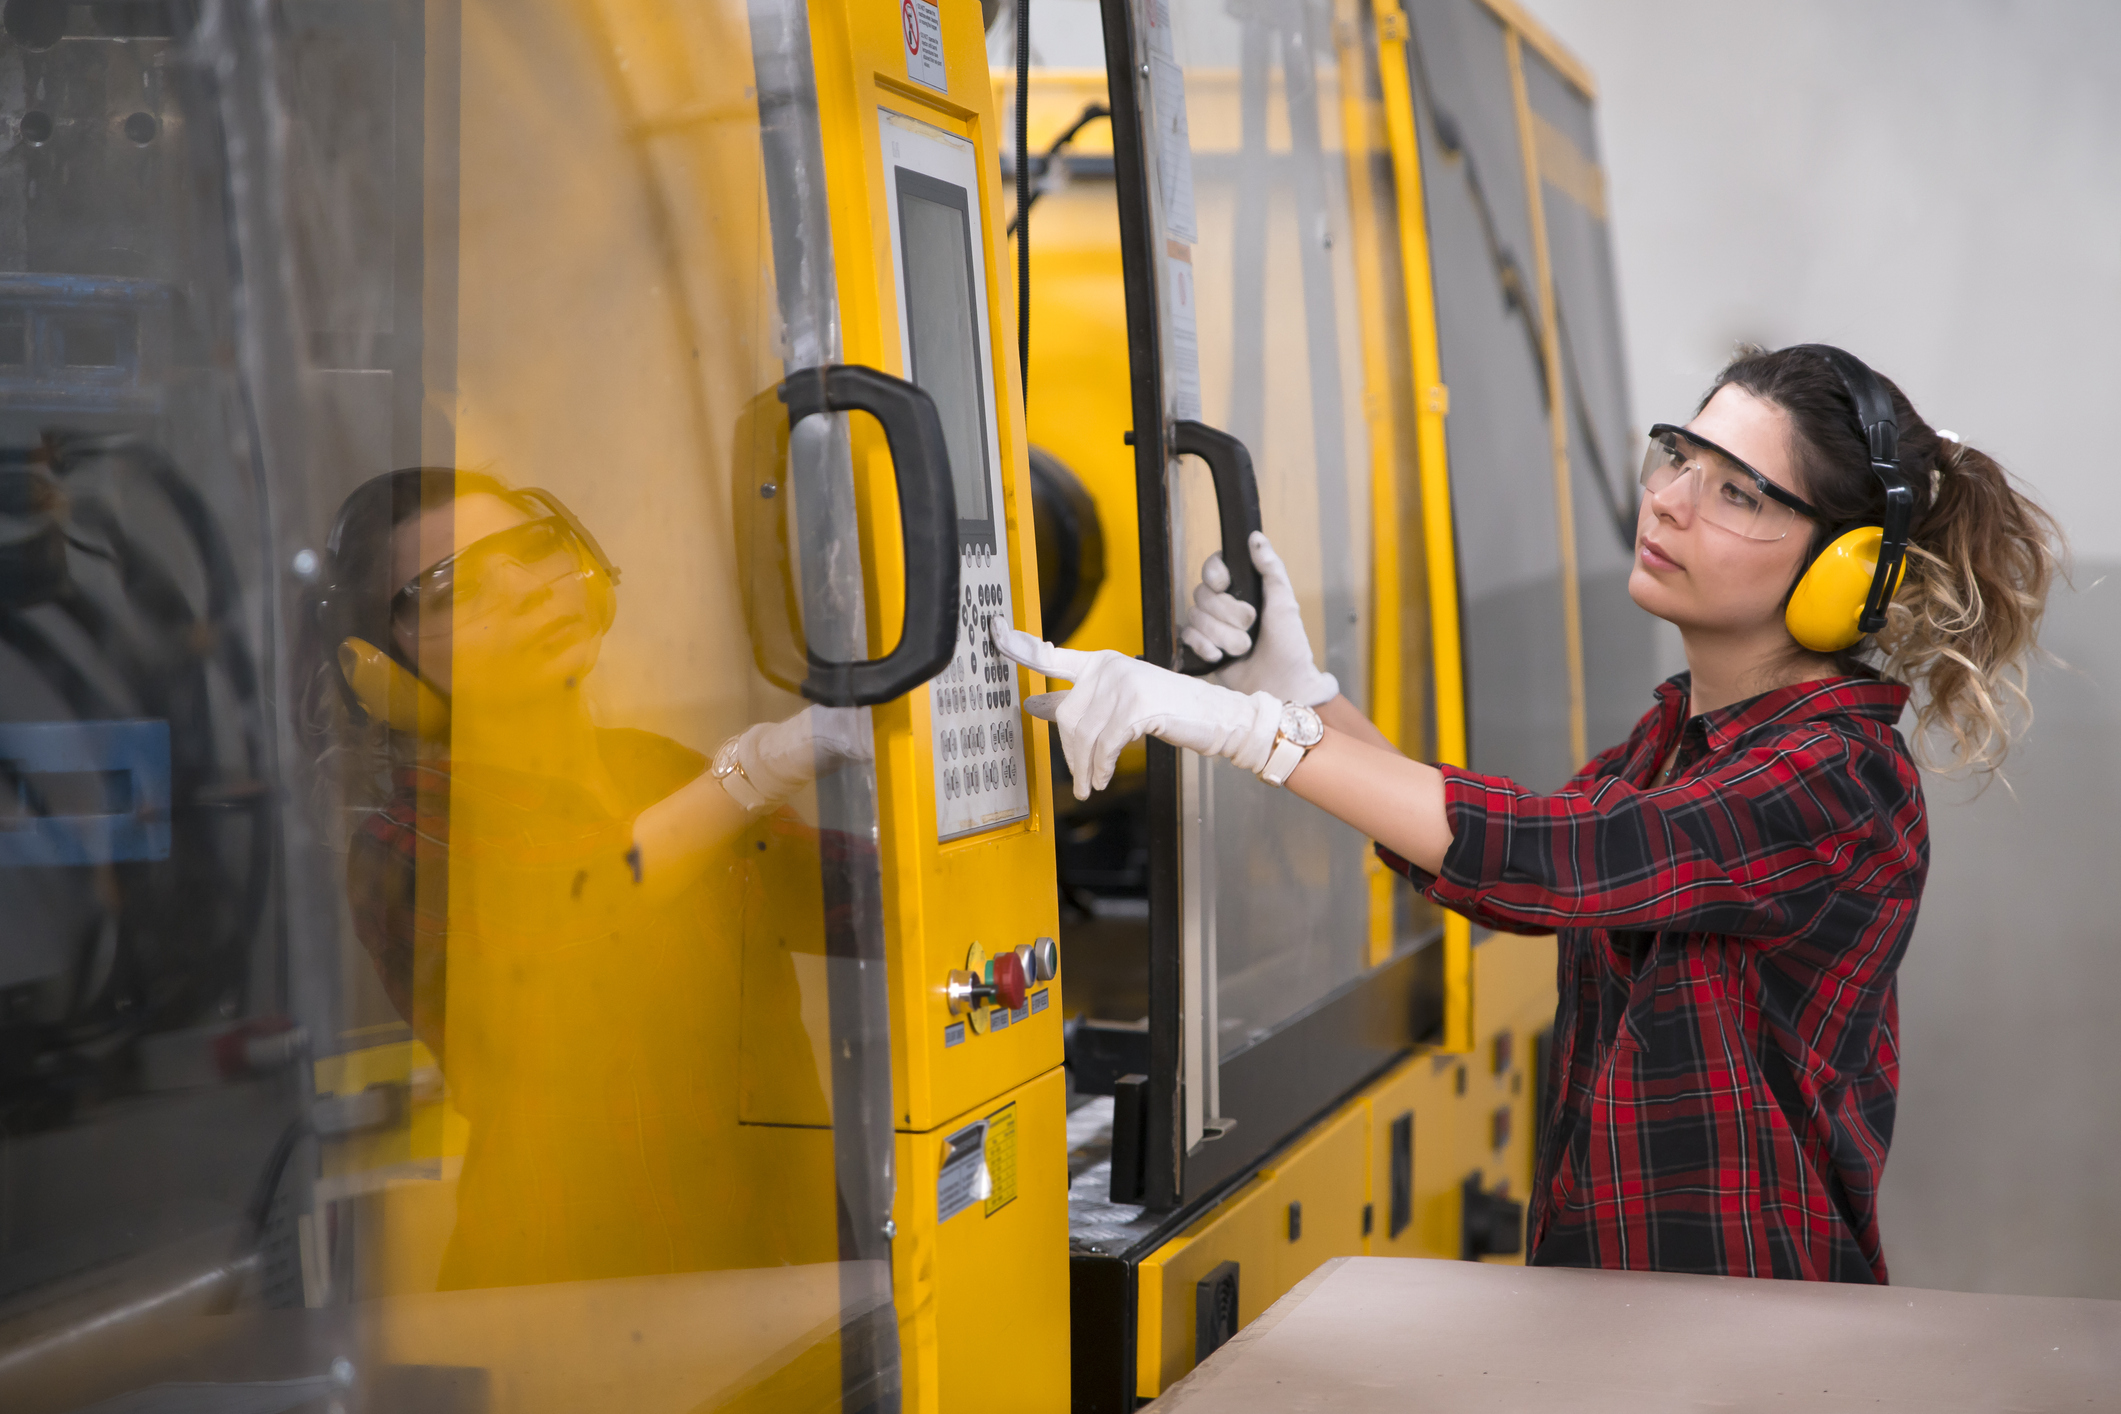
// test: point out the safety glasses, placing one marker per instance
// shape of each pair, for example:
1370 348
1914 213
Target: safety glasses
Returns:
460 588
1726 491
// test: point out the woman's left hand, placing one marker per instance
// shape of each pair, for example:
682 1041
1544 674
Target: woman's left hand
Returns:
779 759
1117 700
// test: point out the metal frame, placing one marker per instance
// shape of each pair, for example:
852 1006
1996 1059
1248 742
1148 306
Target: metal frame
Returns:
1433 405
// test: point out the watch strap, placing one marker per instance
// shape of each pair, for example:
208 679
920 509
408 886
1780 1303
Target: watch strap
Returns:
1281 761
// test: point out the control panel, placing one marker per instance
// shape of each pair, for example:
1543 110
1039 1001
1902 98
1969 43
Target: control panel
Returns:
932 185
991 993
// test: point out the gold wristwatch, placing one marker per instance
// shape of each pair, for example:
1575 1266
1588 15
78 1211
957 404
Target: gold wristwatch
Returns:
1300 731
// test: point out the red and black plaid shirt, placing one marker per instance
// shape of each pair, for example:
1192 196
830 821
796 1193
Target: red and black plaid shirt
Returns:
1724 1063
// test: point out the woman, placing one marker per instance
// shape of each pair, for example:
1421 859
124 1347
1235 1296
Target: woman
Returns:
1734 885
532 884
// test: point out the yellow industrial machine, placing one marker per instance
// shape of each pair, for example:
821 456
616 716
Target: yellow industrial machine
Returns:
529 888
650 998
1368 241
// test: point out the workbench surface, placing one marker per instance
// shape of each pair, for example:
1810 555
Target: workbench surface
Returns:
1399 1334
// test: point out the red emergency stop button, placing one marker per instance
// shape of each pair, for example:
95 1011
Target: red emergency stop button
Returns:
1009 980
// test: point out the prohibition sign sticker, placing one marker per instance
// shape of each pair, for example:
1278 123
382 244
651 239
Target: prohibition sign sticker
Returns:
922 25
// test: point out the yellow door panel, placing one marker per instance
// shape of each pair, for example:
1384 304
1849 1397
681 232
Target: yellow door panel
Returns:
1513 1003
1415 1210
983 1293
1315 1191
886 114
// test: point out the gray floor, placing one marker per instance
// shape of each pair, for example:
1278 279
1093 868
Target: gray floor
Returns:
2003 1168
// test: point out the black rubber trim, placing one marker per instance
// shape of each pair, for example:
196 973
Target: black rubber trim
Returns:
1101 1317
1164 1158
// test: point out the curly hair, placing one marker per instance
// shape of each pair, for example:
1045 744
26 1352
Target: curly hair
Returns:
1964 626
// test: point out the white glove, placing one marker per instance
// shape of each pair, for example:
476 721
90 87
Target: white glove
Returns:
1219 624
1117 700
777 759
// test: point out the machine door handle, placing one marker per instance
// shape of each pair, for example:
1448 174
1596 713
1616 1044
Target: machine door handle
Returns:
927 505
1237 503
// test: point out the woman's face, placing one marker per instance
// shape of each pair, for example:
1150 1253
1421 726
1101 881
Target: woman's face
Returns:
510 618
1703 576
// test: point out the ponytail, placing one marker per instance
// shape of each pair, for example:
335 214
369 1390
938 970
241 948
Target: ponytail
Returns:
1965 624
1963 627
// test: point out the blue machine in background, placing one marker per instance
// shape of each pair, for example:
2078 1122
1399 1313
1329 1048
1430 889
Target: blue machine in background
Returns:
83 792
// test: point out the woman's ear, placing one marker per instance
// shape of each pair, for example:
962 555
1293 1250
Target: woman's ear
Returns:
391 694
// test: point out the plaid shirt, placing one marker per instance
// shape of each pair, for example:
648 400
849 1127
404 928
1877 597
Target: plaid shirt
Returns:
1724 1061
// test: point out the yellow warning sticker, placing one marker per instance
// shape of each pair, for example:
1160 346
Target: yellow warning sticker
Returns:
1001 1158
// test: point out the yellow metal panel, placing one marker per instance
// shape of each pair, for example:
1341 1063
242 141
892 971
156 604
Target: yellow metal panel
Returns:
983 1297
1514 980
995 889
1325 1172
1425 1086
1388 410
1433 404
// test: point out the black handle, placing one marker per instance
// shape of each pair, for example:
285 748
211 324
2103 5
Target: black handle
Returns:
1237 503
927 514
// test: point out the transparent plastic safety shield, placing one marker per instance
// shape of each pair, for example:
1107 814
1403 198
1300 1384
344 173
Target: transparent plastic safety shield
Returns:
421 866
1619 645
1261 336
1490 328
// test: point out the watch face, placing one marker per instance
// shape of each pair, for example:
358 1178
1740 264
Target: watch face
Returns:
1302 726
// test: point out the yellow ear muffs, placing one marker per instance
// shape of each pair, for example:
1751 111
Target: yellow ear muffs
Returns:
1825 607
390 693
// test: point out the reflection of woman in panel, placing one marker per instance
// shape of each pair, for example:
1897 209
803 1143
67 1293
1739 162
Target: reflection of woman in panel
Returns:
552 904
1733 885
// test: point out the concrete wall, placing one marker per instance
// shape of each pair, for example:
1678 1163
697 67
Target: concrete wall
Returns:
1935 186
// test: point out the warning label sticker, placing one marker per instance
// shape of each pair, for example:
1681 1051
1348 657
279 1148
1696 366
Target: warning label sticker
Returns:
964 1179
1001 1159
922 24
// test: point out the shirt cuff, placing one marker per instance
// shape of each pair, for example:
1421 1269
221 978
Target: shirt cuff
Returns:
1480 811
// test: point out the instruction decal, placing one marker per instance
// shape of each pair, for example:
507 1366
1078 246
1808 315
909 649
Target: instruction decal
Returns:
1184 331
1001 1159
964 1179
1174 155
922 24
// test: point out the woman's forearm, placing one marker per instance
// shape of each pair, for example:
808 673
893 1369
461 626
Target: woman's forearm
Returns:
675 838
1395 800
1344 716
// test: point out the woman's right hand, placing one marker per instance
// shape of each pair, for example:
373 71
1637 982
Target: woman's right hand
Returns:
1220 625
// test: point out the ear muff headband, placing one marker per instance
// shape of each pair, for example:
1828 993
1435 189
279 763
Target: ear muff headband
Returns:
1843 592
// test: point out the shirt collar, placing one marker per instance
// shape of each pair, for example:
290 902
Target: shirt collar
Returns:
1824 697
